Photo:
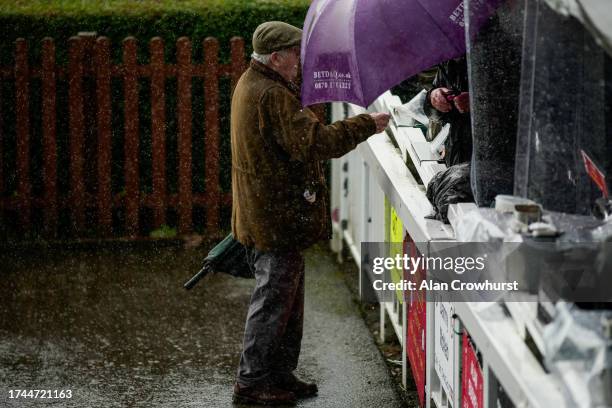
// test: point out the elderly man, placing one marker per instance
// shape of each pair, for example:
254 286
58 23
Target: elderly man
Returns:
280 206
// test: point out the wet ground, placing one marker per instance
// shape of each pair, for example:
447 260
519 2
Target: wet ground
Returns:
116 328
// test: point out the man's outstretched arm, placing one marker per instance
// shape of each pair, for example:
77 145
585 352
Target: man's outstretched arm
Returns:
304 137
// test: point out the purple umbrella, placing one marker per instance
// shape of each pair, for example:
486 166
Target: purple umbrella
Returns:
354 50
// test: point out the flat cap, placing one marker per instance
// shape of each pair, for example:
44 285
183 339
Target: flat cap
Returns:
274 36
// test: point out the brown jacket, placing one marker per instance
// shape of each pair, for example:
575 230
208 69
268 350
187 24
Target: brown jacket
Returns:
277 148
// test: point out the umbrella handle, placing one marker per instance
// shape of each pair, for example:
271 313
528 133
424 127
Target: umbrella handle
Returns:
196 278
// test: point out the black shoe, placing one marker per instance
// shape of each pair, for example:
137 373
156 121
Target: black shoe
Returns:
263 395
298 387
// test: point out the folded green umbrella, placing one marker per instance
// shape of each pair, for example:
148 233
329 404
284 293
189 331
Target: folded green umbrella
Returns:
228 256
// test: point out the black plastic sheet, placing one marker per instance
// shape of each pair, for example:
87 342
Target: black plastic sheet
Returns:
494 55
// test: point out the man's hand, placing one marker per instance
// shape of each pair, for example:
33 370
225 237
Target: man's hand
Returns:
381 119
462 102
438 99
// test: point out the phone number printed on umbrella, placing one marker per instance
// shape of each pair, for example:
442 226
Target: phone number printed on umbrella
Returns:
332 79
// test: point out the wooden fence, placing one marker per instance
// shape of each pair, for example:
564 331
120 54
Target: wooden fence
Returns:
90 57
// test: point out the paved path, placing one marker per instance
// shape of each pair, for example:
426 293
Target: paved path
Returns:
117 329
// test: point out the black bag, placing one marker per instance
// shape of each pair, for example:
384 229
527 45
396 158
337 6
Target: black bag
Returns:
449 187
228 256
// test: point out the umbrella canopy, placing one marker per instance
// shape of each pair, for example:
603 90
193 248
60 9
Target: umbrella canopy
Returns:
354 50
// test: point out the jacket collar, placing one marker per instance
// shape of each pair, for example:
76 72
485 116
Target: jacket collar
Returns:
275 76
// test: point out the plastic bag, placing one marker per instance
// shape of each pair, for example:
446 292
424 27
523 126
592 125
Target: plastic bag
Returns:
579 350
449 187
414 108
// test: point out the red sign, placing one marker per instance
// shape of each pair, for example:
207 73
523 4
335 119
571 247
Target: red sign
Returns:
471 381
596 175
415 328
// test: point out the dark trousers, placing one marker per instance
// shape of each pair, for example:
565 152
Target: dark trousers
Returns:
273 331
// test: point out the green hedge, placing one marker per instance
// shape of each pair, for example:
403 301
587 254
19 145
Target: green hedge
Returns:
168 19
117 19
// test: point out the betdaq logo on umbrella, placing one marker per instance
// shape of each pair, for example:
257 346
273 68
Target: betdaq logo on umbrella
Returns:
410 264
331 74
457 15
